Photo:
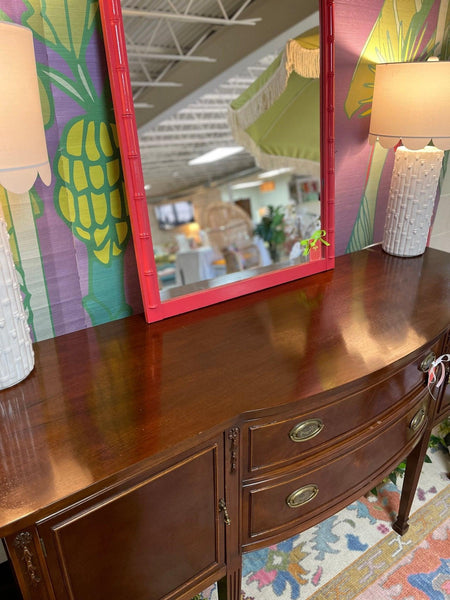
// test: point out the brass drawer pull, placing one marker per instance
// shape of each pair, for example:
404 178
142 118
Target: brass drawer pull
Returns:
427 362
306 430
417 420
302 496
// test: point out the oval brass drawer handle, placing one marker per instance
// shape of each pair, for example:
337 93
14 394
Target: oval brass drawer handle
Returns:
427 362
418 419
306 430
302 496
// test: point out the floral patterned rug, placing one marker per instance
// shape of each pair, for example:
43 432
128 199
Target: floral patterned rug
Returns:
355 555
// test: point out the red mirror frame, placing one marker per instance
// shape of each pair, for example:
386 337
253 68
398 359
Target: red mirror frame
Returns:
154 308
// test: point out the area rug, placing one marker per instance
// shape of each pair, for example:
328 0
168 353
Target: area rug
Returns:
355 555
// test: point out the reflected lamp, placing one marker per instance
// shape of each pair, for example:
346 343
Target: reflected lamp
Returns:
23 155
411 105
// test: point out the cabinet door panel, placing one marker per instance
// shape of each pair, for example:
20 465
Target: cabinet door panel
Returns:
148 541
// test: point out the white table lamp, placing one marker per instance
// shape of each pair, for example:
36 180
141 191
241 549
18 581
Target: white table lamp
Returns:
411 104
23 155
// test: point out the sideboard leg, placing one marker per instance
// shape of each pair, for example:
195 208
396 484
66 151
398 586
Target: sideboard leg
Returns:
229 587
414 464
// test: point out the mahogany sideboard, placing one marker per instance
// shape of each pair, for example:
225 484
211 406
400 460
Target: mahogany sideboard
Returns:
139 461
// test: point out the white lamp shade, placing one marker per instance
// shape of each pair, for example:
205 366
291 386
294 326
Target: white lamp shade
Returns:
411 104
23 150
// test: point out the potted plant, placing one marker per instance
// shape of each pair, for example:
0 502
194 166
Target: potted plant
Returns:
271 230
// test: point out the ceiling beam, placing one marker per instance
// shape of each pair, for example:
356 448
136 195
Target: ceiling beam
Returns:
173 16
204 108
190 121
228 46
178 134
187 140
160 84
138 51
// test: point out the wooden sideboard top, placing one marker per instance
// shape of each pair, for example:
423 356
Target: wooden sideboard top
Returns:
105 401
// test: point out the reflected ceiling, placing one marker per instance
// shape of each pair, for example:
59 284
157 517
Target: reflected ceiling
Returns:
188 60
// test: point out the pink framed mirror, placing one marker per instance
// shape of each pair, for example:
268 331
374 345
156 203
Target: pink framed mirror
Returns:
312 254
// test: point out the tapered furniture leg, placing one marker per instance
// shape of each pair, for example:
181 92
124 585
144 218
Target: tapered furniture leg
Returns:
414 464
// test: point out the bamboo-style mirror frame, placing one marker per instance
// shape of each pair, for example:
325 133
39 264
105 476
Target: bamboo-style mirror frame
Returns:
154 308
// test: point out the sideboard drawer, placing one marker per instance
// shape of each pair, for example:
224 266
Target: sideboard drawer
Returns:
272 506
285 441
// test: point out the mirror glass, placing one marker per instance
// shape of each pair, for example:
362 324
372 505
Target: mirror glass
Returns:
235 80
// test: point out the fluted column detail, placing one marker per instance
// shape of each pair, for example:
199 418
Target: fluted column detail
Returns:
16 352
411 200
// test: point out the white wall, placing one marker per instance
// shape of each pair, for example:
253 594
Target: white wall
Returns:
278 197
440 235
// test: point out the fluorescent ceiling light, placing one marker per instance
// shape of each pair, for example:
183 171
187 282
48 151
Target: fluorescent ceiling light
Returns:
245 184
274 172
216 154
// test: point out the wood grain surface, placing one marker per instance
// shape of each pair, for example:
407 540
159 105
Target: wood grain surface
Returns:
110 400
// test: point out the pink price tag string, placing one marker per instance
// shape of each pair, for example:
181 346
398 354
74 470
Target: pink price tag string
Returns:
437 372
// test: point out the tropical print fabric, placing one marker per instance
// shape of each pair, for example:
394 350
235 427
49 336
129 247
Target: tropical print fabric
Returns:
74 275
402 31
71 242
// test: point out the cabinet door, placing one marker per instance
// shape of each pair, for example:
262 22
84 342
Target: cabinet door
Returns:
151 540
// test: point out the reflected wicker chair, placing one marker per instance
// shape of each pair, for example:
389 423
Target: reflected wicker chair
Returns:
230 233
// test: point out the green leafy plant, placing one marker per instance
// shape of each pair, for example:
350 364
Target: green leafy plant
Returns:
440 438
399 471
271 230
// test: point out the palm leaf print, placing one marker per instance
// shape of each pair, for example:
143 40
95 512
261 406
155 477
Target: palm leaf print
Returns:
399 35
89 193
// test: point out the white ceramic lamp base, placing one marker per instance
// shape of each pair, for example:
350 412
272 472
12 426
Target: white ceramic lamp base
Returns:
411 200
16 352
